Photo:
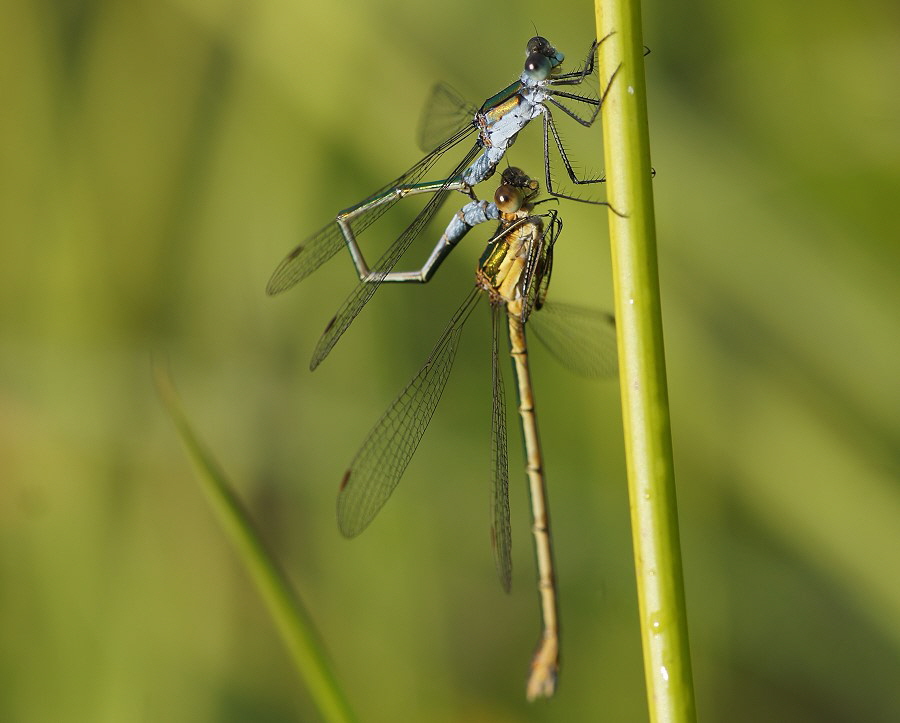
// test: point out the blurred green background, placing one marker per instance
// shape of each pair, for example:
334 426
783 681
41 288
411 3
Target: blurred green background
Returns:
158 160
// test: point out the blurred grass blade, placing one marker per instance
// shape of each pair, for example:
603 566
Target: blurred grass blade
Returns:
292 620
645 405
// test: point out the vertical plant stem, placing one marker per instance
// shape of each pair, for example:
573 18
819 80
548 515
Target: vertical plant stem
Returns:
648 442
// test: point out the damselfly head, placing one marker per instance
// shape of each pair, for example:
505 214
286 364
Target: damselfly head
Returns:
541 58
516 189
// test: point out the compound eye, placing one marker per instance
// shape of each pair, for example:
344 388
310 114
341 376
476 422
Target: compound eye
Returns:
538 66
513 176
508 199
536 45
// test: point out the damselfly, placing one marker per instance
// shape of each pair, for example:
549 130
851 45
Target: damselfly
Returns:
514 273
496 124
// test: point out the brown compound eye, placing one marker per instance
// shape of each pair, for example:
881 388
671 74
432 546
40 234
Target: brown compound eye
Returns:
508 199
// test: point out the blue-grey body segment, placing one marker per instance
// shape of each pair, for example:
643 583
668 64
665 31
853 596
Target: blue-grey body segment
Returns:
463 221
499 130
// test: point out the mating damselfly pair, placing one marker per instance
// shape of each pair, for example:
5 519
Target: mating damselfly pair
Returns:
514 273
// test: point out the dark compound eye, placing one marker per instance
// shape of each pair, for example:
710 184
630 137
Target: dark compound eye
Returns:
538 44
538 66
513 176
541 58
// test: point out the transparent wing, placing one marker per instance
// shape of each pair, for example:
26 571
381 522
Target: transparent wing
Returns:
364 290
325 243
445 114
582 340
377 467
306 258
539 263
501 529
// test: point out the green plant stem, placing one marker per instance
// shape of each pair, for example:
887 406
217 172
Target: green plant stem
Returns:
291 618
645 407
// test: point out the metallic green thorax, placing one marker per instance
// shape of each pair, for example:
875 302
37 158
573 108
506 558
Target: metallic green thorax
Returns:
492 259
494 107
